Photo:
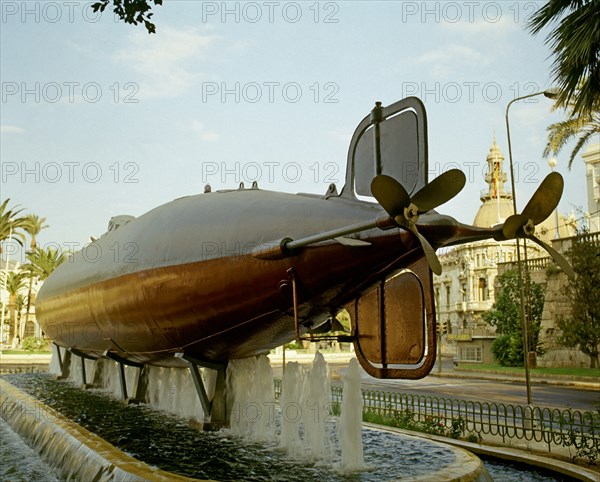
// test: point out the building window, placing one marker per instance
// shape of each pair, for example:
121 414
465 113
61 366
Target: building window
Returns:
471 354
482 289
448 298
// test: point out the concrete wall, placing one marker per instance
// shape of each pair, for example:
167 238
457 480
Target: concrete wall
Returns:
556 305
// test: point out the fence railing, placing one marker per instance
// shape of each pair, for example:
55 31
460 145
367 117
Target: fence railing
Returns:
579 430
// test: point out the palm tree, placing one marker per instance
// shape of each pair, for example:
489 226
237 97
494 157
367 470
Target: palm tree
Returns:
14 282
19 305
32 225
10 224
581 127
43 261
575 42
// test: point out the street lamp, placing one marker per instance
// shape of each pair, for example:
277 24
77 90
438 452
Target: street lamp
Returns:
551 94
552 162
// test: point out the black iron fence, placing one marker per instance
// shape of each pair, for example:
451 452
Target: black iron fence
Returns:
474 420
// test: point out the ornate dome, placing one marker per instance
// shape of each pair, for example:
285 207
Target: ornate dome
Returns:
497 202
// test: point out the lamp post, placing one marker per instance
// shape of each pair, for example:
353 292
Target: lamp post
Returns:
552 162
550 93
5 287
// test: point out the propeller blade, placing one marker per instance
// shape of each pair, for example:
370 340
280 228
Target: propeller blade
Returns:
559 258
540 206
432 259
513 224
440 190
545 199
390 194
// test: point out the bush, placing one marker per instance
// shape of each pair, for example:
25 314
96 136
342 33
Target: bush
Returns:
33 344
294 345
501 350
508 351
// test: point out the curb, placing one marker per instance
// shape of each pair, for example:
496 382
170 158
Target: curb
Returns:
68 447
492 376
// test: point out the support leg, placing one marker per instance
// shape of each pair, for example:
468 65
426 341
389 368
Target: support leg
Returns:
98 375
122 380
56 349
219 407
141 385
65 366
214 407
83 378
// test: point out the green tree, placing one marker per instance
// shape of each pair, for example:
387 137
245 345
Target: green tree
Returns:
13 283
575 43
580 127
42 262
582 329
10 224
19 305
131 11
32 225
505 315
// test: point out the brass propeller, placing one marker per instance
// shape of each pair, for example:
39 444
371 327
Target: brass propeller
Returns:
541 205
405 210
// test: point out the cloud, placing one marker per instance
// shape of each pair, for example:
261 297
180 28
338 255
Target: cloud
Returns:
204 134
447 60
450 53
495 26
166 62
241 46
6 129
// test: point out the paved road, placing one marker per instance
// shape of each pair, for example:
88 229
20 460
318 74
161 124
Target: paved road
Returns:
543 395
491 391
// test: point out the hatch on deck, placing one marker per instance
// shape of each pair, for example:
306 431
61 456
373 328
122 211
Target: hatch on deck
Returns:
118 221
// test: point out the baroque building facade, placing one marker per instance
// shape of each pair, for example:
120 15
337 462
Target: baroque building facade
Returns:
591 158
465 290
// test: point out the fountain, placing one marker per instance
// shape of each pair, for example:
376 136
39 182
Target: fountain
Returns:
350 424
297 437
250 385
291 387
316 406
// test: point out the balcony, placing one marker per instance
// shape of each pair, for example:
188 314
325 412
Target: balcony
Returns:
474 332
465 306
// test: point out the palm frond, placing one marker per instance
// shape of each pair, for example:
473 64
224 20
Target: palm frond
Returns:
575 44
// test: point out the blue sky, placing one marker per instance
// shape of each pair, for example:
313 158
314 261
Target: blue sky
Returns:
99 118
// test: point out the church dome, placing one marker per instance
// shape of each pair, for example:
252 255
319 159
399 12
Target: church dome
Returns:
492 213
497 202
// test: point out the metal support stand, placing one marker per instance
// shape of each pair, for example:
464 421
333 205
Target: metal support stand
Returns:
141 386
56 349
82 357
122 362
98 374
214 408
65 366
